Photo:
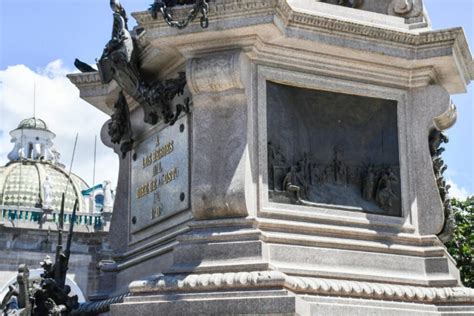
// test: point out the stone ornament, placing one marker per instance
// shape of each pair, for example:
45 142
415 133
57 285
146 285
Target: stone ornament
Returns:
447 119
215 73
306 285
406 8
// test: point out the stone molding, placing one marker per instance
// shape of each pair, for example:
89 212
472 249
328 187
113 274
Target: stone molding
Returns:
371 32
216 8
84 78
199 282
304 285
222 9
393 292
216 73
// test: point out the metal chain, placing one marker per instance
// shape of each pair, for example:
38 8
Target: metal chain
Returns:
201 6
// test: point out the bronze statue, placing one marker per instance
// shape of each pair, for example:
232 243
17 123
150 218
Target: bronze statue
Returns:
119 62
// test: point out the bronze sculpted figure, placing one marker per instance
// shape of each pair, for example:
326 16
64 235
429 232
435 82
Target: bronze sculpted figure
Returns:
120 128
311 180
436 139
369 185
119 62
295 183
340 170
277 168
385 194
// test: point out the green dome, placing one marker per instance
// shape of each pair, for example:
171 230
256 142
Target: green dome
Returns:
32 123
21 185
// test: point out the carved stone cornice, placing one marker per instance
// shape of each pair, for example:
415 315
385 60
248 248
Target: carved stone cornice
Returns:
217 8
223 9
292 18
401 41
304 285
84 78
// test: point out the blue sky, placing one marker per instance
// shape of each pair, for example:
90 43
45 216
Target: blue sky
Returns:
36 33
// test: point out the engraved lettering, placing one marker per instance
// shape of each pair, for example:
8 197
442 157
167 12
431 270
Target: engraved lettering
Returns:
157 198
155 212
158 153
171 175
159 175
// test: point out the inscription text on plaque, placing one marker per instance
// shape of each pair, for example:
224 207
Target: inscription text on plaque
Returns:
160 175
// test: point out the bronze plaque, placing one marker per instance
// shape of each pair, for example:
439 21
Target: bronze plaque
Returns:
160 175
327 148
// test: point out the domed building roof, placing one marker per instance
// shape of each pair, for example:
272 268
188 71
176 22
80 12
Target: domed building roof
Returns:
21 185
33 123
34 177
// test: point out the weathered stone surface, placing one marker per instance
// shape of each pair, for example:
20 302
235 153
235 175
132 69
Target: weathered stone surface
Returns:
237 245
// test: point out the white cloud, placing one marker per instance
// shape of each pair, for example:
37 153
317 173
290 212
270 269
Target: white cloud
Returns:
59 105
457 191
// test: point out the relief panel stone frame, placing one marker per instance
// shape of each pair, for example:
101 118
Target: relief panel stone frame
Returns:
332 213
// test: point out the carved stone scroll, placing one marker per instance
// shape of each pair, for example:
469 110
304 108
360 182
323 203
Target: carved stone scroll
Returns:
215 73
406 8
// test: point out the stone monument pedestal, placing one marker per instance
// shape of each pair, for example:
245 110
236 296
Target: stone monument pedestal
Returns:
342 99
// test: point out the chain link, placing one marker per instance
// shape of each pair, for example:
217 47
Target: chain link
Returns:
201 6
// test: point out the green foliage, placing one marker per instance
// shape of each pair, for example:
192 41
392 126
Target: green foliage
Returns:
461 247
